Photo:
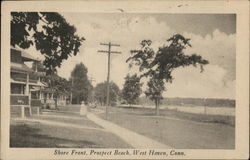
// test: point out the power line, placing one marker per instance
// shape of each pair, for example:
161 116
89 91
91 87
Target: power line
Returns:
108 76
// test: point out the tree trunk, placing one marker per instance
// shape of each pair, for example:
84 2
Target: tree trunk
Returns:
156 107
78 100
55 103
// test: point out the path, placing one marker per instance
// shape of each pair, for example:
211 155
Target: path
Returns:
134 139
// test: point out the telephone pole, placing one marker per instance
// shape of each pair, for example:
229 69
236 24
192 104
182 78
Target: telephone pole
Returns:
109 53
71 93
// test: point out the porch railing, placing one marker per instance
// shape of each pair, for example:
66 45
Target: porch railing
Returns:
35 103
19 99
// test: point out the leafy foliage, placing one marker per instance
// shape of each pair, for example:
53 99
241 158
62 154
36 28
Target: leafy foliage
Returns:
81 85
52 35
155 89
58 85
39 66
158 66
101 93
131 89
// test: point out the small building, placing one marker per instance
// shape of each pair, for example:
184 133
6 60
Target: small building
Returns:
48 98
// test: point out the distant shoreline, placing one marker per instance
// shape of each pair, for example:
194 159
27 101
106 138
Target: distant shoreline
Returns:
210 102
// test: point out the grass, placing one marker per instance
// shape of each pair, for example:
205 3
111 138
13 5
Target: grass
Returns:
228 120
177 129
79 119
36 135
70 108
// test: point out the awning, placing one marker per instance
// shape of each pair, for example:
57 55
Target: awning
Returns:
17 82
41 84
34 88
27 57
37 84
20 68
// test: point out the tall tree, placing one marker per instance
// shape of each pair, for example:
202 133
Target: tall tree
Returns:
101 93
158 66
81 86
131 89
51 34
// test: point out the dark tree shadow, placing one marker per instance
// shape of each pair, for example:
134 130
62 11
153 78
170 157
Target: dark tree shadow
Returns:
23 135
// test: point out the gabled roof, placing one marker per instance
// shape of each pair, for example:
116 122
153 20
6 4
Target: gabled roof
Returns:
26 56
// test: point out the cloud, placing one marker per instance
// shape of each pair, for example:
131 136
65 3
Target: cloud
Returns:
189 82
128 32
218 79
218 48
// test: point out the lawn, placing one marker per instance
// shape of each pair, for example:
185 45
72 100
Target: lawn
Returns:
34 134
67 119
177 129
228 120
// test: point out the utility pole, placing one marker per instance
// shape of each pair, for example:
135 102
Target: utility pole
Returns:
109 52
71 93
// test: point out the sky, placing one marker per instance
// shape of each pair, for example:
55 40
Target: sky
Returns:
212 36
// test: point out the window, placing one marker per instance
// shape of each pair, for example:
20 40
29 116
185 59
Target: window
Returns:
17 89
15 56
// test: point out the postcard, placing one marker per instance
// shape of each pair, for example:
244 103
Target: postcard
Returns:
125 79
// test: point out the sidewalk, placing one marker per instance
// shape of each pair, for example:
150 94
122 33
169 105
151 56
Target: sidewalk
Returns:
132 138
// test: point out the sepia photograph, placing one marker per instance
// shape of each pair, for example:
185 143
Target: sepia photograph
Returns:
122 83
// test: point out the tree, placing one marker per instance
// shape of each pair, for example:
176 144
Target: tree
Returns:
101 93
158 66
51 34
81 86
131 89
38 66
58 85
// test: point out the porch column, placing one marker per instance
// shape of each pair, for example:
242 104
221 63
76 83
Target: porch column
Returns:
27 92
40 93
27 85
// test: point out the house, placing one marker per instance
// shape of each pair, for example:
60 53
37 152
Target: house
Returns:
29 91
26 85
